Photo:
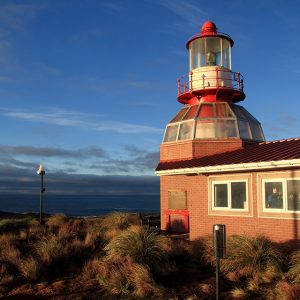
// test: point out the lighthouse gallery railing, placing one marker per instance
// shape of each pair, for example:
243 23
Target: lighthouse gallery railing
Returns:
210 79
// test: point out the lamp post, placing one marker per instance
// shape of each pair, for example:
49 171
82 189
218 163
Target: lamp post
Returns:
41 172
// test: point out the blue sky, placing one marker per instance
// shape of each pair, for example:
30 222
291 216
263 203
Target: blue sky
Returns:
87 87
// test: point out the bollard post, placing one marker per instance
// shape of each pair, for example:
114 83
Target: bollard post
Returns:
219 238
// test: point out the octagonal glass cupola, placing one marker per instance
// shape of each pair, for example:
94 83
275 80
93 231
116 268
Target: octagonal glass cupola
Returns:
213 121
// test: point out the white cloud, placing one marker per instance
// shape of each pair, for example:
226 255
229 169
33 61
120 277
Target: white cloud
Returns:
80 120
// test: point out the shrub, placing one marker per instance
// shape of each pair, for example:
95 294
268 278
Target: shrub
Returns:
9 244
57 220
203 249
29 268
287 291
49 248
119 221
13 225
8 271
125 277
294 271
91 268
248 257
144 247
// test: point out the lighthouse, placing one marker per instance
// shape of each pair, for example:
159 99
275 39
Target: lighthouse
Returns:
209 94
215 165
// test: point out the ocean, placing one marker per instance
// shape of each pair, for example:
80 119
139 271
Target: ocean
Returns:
80 205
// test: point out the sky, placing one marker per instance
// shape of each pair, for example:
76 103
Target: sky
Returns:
87 87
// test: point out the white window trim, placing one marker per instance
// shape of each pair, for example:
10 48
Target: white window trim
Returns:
284 196
228 208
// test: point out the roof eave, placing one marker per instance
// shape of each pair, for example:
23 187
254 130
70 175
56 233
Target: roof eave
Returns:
233 167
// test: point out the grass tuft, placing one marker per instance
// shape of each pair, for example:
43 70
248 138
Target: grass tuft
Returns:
56 220
29 268
287 291
144 247
119 221
247 256
294 271
125 277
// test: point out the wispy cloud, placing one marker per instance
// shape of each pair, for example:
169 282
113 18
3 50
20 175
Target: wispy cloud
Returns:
52 151
80 120
188 11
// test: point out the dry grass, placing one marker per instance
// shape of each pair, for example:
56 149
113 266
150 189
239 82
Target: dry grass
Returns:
120 221
91 268
49 248
287 291
57 220
238 293
144 247
249 257
125 277
29 268
203 249
294 271
130 262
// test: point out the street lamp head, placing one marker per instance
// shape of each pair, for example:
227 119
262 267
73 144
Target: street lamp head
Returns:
41 170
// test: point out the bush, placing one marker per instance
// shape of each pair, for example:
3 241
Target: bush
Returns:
125 277
49 249
203 249
287 291
118 220
294 271
248 257
29 268
57 220
13 225
144 247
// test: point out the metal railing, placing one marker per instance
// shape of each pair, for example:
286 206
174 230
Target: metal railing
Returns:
207 79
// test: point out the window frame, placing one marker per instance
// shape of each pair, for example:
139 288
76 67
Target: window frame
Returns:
284 196
229 196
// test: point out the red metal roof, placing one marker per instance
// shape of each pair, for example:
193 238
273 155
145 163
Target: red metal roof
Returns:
262 152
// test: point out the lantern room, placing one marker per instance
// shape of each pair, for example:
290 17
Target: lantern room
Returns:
211 77
210 49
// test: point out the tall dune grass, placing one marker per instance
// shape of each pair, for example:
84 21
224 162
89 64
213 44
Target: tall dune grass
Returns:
131 262
144 247
126 277
294 271
248 257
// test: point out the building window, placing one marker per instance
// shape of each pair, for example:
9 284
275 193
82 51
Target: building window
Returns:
293 195
281 195
230 195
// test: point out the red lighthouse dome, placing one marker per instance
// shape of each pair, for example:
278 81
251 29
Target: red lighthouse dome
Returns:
208 28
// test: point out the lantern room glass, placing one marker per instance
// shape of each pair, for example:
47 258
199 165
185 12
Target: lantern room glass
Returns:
213 120
210 51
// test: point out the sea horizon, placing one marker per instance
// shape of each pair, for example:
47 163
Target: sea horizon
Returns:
79 205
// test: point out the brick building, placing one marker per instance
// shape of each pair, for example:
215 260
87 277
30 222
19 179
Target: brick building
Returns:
215 165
